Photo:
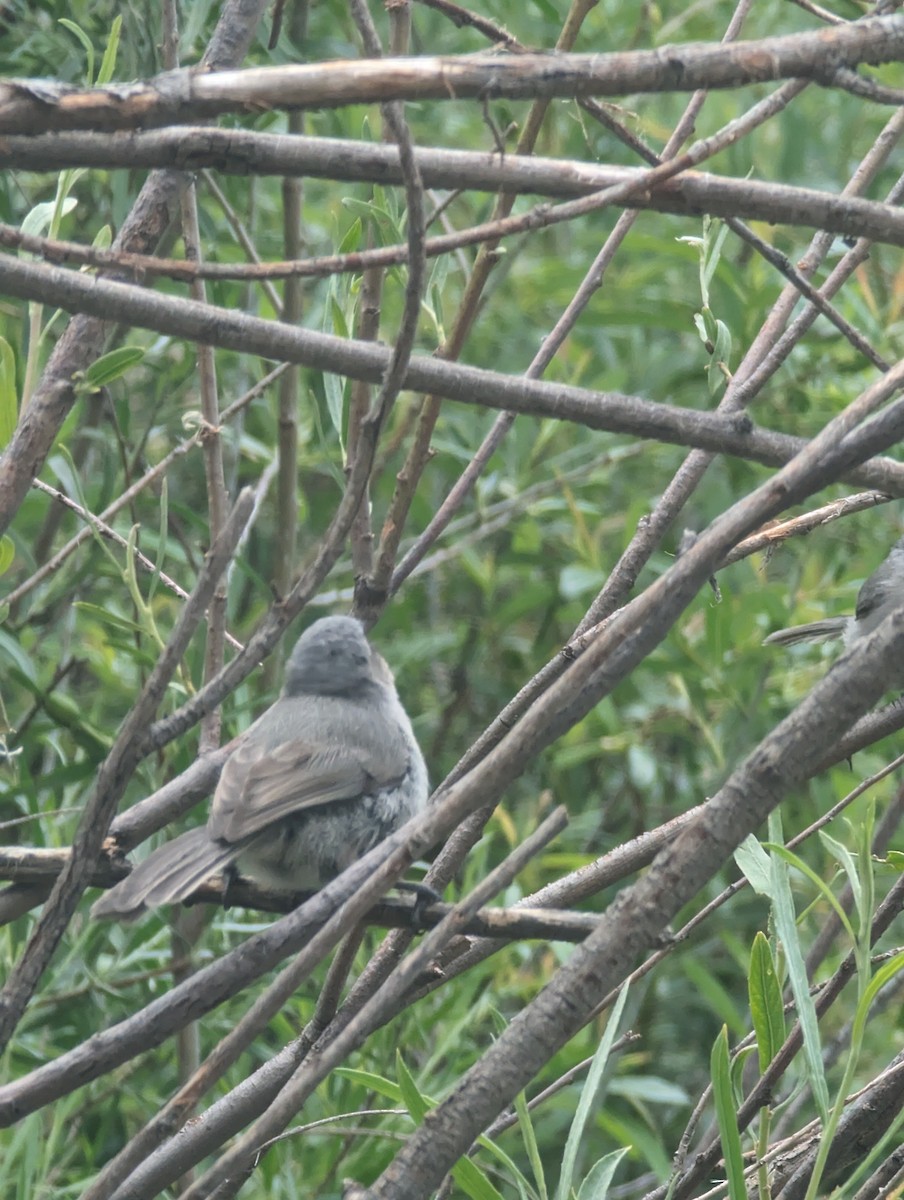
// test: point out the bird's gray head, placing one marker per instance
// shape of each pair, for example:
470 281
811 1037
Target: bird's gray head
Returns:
331 657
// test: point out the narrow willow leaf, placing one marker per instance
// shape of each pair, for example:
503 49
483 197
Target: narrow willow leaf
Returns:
111 366
765 1001
466 1173
376 1083
108 62
597 1180
7 553
87 46
412 1097
9 395
821 886
38 220
753 862
530 1143
589 1097
723 1094
844 856
473 1182
786 926
885 973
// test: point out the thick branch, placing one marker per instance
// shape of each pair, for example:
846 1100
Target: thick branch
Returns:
235 152
180 96
238 331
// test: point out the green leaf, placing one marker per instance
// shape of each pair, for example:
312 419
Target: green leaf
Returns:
722 343
738 1064
822 887
473 1182
103 239
377 214
37 221
844 856
335 400
87 45
162 539
108 62
726 1116
576 581
753 862
9 393
351 240
66 712
589 1096
766 1005
7 553
884 975
597 1180
549 10
106 616
650 1089
706 327
372 1082
412 1097
715 234
529 1135
501 1157
786 926
13 652
340 325
111 366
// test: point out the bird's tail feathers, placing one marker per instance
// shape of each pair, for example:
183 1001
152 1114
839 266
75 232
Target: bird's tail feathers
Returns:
167 876
816 631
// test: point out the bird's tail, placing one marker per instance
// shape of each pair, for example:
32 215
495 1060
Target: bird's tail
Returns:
816 631
166 876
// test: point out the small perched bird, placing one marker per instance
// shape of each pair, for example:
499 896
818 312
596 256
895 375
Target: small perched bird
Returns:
329 770
881 593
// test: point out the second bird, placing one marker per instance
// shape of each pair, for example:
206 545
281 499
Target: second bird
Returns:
881 593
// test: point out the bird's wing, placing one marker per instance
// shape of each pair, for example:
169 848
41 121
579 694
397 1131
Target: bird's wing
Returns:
260 785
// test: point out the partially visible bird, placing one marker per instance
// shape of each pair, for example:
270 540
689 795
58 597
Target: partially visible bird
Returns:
329 770
881 593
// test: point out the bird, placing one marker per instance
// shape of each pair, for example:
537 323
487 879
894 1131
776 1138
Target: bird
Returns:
881 593
327 772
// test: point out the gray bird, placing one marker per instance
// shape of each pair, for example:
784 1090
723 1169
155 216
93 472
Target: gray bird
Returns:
329 770
881 593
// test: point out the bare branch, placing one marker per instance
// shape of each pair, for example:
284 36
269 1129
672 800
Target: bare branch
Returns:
236 152
178 96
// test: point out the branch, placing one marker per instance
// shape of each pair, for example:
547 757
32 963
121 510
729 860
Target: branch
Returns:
38 106
238 331
24 865
234 152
